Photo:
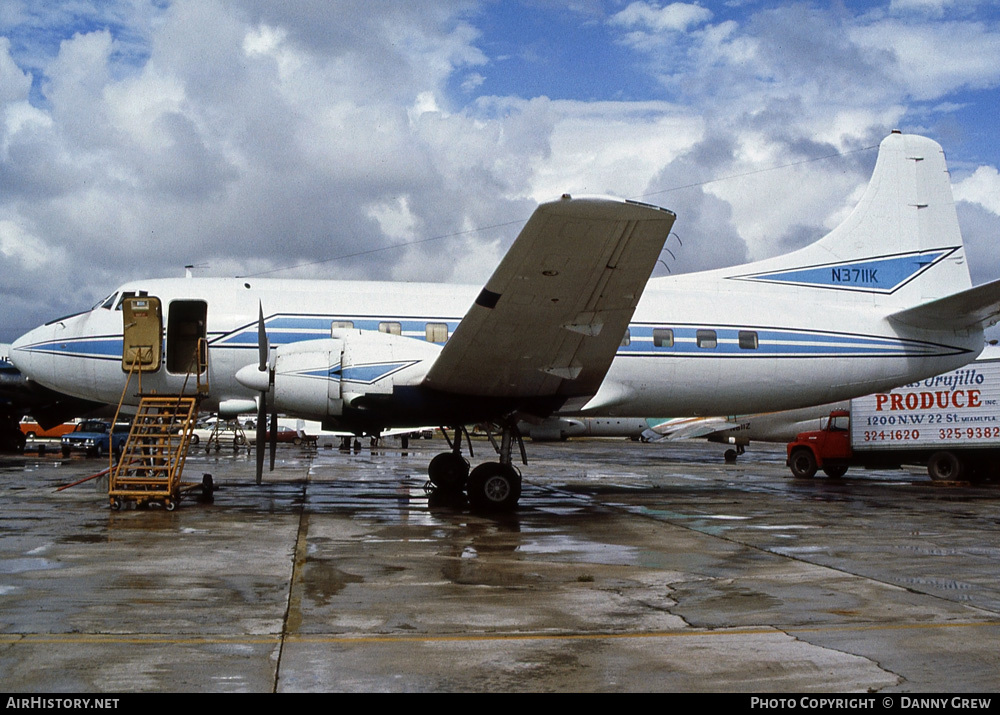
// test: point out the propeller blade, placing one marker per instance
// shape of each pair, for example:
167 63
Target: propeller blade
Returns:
273 441
262 346
261 436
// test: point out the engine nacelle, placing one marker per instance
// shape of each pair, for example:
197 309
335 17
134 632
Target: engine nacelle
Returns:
321 377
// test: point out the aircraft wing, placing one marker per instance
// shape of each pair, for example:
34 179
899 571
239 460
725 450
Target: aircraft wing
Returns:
550 319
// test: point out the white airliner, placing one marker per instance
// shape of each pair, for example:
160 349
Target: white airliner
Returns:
883 299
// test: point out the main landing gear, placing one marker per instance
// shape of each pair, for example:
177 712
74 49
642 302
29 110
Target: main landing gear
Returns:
731 454
492 486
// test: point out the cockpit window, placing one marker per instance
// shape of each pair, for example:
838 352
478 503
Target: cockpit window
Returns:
108 303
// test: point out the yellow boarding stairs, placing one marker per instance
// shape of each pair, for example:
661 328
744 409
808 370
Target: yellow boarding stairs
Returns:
152 459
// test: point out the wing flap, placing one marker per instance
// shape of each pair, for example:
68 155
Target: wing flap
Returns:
550 319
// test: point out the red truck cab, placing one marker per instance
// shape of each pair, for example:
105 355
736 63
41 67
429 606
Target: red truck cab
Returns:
828 449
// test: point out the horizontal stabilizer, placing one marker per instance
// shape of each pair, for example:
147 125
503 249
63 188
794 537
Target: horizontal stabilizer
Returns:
978 306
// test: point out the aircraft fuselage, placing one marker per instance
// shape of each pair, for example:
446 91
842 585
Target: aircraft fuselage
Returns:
687 352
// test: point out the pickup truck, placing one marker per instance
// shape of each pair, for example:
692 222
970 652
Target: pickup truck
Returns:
95 438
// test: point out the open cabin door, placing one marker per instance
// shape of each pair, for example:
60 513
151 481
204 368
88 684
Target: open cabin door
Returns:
186 333
142 334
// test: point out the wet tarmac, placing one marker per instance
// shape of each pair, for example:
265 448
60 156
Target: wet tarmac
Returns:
627 567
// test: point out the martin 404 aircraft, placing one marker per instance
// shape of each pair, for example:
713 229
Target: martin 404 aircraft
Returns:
567 324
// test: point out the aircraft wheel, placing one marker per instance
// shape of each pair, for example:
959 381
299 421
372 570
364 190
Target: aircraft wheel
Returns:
803 464
730 456
448 471
944 467
835 472
494 487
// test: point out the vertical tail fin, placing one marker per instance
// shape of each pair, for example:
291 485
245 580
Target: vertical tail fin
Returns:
901 244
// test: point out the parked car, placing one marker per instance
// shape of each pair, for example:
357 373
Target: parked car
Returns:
33 430
95 438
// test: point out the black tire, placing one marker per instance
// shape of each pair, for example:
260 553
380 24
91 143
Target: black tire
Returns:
448 471
66 451
835 472
494 487
730 456
944 467
803 464
195 439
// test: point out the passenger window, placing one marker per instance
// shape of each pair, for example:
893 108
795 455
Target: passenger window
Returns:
391 328
663 337
437 332
707 339
627 338
341 325
748 339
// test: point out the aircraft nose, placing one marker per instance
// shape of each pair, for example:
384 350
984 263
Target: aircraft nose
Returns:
28 355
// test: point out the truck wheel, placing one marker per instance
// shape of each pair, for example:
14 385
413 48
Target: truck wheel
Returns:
944 467
803 464
835 472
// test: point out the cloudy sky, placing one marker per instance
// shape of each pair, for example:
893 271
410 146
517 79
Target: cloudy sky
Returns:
409 140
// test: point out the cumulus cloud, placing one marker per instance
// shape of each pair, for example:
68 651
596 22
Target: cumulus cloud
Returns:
246 136
675 17
982 187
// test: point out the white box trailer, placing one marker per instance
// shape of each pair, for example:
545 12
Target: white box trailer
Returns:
950 423
958 409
